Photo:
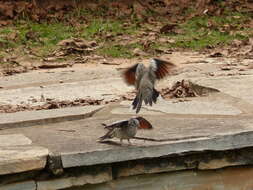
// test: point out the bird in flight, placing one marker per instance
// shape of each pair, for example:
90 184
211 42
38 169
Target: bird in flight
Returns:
144 78
125 129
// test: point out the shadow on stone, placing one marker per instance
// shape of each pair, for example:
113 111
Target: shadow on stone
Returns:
109 142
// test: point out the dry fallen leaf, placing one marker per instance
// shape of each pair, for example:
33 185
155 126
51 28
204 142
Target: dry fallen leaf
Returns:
12 36
168 28
7 9
75 45
110 63
183 89
50 65
138 52
225 68
216 54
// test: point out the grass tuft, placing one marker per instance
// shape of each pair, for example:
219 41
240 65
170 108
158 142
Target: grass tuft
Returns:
206 31
118 51
198 33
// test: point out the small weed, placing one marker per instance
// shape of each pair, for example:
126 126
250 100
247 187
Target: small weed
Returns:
43 37
118 50
4 42
99 27
48 35
115 51
78 13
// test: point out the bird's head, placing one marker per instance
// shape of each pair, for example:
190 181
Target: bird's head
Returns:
134 122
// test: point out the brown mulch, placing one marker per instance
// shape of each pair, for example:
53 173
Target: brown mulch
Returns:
180 89
39 10
186 88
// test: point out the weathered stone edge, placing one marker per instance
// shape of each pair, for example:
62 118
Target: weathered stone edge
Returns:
216 143
25 185
222 143
40 120
62 182
16 165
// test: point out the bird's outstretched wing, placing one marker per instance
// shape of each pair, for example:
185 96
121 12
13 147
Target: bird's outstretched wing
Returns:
161 67
129 75
112 128
144 124
116 124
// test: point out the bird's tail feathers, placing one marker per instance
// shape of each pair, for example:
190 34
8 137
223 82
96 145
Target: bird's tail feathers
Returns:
135 102
139 103
106 136
151 96
155 95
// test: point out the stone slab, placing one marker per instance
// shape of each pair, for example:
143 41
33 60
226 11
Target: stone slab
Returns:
125 108
219 143
149 166
218 163
190 106
67 182
76 141
106 89
27 185
222 179
15 159
236 86
14 140
197 161
55 76
29 118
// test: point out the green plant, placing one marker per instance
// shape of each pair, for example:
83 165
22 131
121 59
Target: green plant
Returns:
201 32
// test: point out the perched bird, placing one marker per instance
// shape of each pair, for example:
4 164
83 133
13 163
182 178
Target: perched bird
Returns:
144 80
125 129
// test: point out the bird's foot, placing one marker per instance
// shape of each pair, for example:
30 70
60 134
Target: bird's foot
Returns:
121 142
129 143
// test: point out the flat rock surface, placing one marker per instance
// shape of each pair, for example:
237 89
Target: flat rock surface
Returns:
14 140
77 140
81 179
27 185
236 86
196 106
219 121
225 179
112 87
15 159
19 118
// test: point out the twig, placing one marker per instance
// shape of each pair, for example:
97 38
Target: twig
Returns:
169 139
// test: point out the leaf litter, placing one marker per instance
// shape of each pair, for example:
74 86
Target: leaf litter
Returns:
180 89
147 37
52 104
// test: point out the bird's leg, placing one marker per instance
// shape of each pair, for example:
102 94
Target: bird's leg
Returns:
121 141
129 142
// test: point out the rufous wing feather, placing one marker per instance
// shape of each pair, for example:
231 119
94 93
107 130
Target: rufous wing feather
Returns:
144 124
129 75
163 68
